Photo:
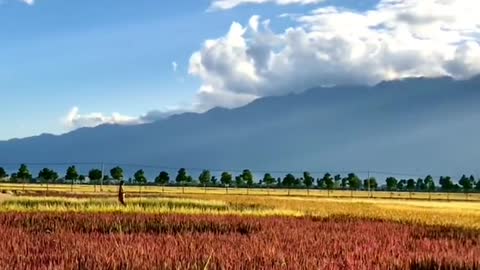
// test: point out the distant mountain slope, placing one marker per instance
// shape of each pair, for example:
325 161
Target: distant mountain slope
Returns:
413 125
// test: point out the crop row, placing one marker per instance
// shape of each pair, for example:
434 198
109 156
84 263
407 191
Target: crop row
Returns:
138 241
129 224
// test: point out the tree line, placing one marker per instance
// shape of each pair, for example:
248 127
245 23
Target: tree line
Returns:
246 179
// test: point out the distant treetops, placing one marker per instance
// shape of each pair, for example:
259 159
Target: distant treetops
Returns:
246 179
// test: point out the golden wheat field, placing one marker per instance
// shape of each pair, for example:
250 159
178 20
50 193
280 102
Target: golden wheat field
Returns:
462 214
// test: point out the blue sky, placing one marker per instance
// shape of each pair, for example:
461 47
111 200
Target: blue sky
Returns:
102 56
108 56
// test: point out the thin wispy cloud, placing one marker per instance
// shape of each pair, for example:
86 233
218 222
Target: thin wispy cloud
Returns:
230 4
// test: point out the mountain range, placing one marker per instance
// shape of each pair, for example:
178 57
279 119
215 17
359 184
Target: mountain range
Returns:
416 125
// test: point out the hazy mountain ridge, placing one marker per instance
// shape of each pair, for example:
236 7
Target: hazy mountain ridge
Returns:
424 125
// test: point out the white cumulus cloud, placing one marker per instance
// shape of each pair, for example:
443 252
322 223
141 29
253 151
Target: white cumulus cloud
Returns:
174 66
75 119
334 46
229 4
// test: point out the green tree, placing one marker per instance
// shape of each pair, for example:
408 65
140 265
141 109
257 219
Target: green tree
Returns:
456 188
214 180
182 178
81 178
373 183
446 183
54 176
24 174
95 175
467 184
3 173
338 180
239 181
139 177
477 186
226 179
366 184
162 179
353 182
429 185
247 176
288 181
268 181
307 181
205 178
420 186
298 182
370 185
411 184
472 179
48 176
116 173
401 184
320 183
344 183
391 183
328 182
71 175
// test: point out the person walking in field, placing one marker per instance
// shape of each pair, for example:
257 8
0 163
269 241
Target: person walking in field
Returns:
121 193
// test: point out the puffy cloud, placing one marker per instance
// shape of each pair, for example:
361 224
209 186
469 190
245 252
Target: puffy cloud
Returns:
28 2
174 66
229 4
334 46
75 119
466 60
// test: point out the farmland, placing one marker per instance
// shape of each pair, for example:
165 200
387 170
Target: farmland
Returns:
198 229
156 191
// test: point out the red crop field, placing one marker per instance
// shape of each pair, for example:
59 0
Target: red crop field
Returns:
140 241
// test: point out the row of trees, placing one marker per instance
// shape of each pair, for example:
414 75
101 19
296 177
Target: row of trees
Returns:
246 179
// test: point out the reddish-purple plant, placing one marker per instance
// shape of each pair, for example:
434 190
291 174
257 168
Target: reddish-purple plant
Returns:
119 241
